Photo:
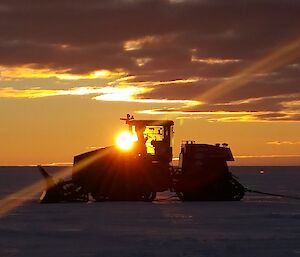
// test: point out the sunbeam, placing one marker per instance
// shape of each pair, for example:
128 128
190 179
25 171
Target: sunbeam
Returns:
276 59
20 197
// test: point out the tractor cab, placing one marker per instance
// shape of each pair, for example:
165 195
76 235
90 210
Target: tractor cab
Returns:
153 138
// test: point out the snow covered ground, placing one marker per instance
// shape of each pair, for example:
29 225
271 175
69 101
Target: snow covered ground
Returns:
257 226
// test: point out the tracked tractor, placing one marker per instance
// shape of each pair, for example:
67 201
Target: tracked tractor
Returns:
145 168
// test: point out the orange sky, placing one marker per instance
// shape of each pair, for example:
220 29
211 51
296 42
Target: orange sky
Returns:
224 72
52 129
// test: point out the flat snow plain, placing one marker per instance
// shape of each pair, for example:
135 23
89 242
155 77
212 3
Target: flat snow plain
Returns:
257 226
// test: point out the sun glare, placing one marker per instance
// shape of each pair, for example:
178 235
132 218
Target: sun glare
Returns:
125 141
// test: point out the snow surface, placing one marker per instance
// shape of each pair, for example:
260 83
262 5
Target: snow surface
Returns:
257 226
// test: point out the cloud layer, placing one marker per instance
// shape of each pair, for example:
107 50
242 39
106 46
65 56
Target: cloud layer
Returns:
241 58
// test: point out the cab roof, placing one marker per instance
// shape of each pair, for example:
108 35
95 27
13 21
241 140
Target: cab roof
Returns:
149 122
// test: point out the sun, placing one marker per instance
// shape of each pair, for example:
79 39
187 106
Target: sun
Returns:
125 141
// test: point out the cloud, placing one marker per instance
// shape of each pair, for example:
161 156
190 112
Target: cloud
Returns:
30 71
262 109
132 94
99 35
108 93
38 92
267 156
239 58
213 116
214 60
137 44
283 143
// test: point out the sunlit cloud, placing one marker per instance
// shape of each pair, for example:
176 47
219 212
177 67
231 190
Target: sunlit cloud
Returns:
211 60
267 156
137 44
223 116
244 118
165 101
126 81
29 71
142 61
125 78
283 143
250 117
259 156
175 81
104 93
132 94
115 94
214 60
291 104
193 112
37 92
210 118
122 94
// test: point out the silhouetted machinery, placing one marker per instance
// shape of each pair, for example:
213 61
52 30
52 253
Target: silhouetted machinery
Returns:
138 173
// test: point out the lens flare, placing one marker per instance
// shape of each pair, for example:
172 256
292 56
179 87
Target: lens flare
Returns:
19 198
125 141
